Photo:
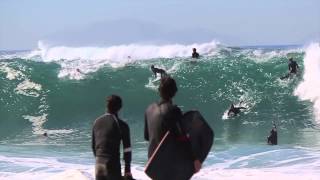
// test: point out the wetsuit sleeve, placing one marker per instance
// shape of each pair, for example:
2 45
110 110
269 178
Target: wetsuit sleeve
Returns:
146 133
127 152
93 143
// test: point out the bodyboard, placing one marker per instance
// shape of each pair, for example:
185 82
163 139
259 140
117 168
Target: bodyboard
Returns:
171 159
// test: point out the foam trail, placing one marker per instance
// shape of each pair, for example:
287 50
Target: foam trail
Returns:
309 88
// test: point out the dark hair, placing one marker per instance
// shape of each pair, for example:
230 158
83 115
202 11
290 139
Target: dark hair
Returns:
114 104
167 88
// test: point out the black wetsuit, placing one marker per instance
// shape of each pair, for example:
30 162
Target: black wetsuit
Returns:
107 133
160 118
235 110
195 55
293 67
160 71
273 138
163 117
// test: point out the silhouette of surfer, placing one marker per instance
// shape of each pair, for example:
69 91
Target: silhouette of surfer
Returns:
293 68
79 71
235 110
107 133
158 71
272 139
164 116
195 54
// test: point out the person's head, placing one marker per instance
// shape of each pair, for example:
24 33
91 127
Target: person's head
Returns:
232 106
194 50
114 104
152 66
290 59
167 88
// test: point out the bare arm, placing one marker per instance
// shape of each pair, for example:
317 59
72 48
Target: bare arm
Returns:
146 133
93 144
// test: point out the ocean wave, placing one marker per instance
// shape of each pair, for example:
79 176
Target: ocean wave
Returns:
309 88
91 59
121 53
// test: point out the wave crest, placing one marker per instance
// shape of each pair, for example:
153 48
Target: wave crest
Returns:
309 88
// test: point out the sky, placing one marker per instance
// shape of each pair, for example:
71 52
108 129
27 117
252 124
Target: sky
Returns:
234 22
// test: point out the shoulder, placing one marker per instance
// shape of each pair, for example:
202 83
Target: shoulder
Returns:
101 119
152 106
123 124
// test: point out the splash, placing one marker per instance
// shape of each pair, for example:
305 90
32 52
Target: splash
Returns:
309 88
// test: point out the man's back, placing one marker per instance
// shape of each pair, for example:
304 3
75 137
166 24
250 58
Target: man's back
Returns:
106 134
159 118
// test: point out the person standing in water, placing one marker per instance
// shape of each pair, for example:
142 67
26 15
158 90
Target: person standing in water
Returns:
195 54
272 139
164 116
107 133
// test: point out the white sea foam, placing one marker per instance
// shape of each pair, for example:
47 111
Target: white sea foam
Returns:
11 73
86 172
122 52
261 55
309 88
90 59
278 163
28 88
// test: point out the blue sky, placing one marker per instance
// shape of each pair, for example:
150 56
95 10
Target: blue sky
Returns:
235 22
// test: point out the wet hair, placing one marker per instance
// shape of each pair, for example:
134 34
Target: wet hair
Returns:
194 49
290 59
152 66
114 104
167 88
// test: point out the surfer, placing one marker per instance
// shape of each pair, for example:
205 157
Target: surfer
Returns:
164 116
79 71
194 53
293 68
45 134
235 110
107 133
158 70
272 139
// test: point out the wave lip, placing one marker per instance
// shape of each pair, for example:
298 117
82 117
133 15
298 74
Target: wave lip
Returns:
309 88
121 52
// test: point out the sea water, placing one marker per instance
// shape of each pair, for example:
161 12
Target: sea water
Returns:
42 90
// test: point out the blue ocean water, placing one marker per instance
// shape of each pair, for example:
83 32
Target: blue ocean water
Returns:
42 91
